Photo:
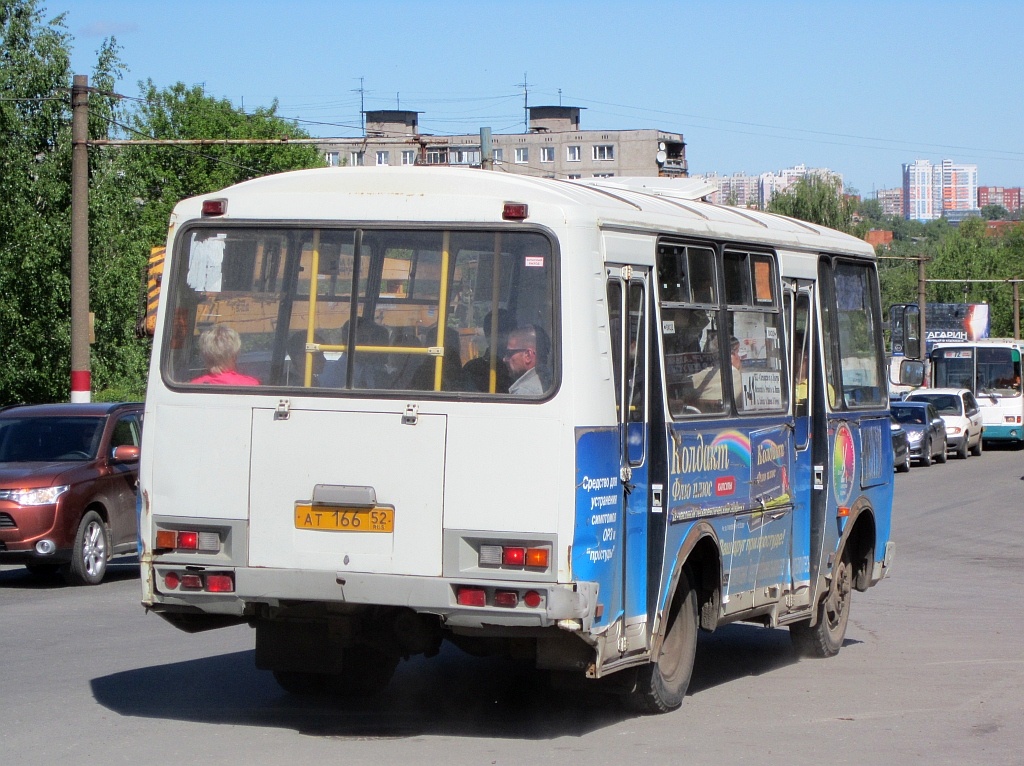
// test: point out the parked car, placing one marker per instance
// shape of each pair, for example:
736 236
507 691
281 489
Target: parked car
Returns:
900 446
68 482
962 415
926 431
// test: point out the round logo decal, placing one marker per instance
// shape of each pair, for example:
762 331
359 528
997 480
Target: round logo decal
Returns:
844 464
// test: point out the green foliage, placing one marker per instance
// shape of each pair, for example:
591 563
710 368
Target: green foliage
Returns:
968 251
131 194
816 200
995 213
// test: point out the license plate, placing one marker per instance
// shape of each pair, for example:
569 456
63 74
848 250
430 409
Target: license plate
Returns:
335 519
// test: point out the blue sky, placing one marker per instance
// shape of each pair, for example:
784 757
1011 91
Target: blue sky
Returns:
858 87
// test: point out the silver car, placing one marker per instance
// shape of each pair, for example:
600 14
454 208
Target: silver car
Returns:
961 414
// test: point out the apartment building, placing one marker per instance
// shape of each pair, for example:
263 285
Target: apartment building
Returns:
891 201
757 191
999 195
932 190
554 147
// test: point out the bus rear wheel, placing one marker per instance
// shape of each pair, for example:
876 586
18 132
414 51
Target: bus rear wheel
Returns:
825 638
661 685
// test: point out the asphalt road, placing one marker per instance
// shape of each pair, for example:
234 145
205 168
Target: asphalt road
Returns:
932 672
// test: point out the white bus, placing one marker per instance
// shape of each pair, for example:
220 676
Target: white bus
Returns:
991 370
389 408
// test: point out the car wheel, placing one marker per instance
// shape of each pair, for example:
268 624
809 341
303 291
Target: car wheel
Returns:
961 451
941 456
926 454
661 684
976 451
89 555
904 467
826 637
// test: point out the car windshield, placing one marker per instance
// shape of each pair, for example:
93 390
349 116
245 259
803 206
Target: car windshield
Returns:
46 439
909 414
946 404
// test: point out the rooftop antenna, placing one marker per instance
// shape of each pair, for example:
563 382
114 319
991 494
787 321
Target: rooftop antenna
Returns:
398 102
362 112
559 96
526 103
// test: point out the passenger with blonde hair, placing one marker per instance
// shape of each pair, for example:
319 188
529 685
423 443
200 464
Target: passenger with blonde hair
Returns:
220 346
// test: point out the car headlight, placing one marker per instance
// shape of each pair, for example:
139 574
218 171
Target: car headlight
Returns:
914 436
954 430
38 496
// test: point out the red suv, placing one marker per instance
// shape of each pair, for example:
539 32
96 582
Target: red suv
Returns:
68 482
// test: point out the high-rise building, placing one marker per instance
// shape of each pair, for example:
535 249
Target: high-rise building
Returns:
931 191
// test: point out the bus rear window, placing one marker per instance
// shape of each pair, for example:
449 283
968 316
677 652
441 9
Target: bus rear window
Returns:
468 312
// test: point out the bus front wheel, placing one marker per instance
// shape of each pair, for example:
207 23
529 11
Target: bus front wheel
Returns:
825 638
661 685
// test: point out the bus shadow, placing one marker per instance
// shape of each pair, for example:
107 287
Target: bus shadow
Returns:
449 695
739 650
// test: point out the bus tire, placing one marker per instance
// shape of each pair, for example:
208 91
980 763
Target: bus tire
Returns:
661 685
825 638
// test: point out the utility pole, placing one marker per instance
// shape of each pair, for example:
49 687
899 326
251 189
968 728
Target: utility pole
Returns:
81 377
922 306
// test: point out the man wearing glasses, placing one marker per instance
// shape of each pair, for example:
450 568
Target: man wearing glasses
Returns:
521 358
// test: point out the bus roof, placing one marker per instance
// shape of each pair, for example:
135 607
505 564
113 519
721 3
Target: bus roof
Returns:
422 194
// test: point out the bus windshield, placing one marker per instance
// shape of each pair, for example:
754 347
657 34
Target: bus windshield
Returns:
362 309
990 371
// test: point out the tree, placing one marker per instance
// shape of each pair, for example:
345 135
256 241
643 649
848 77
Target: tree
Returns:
132 192
816 200
35 164
995 213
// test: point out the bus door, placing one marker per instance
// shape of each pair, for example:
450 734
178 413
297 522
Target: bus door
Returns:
810 429
629 324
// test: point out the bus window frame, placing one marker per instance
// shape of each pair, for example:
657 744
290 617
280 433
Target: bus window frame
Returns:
179 270
828 264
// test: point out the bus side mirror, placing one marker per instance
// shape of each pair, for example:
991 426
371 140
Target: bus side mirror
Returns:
911 372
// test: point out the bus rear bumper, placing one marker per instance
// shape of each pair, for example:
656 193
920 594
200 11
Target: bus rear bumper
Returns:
1003 433
569 605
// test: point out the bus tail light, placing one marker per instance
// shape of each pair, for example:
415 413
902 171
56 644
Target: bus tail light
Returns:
516 556
513 556
470 596
220 583
208 582
187 540
506 598
502 598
